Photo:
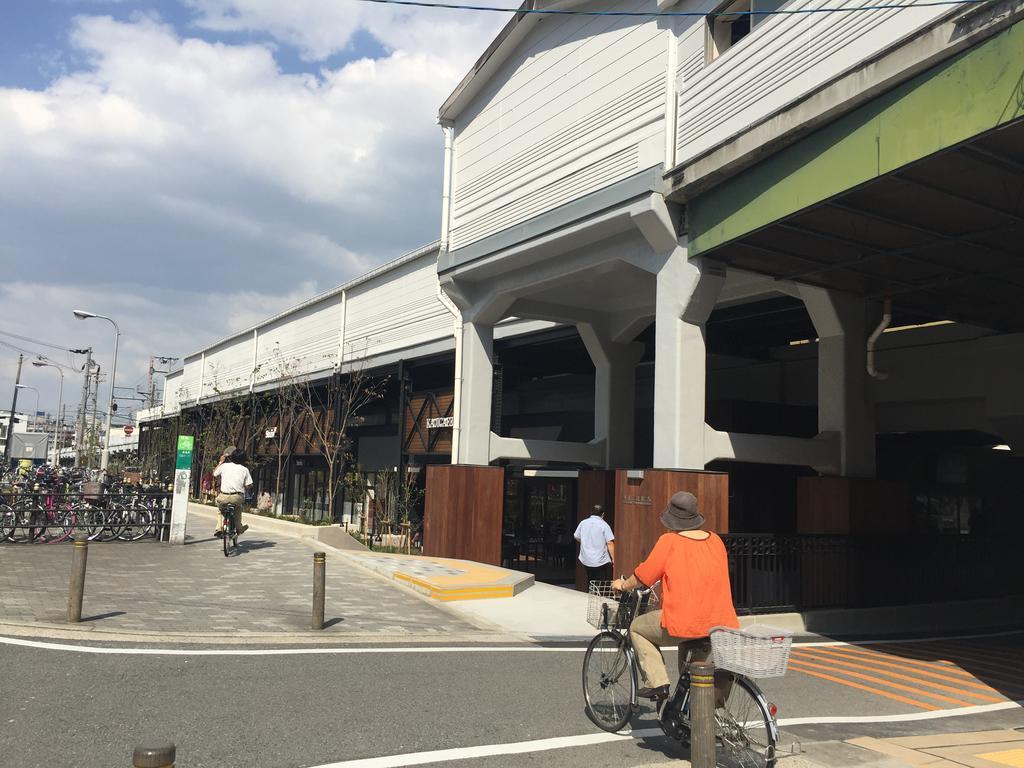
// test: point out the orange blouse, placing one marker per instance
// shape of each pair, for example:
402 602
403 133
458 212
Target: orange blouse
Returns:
694 576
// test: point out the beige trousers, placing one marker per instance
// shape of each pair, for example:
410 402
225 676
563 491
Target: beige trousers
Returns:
647 634
238 500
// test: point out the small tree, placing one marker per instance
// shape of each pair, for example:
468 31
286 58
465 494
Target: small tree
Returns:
397 498
279 409
329 412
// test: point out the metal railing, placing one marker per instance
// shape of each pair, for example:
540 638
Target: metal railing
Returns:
787 572
32 516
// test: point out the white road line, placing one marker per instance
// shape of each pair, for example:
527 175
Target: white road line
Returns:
905 718
591 739
491 750
115 651
908 640
112 651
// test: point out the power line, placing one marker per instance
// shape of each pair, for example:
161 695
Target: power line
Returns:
36 341
36 356
649 14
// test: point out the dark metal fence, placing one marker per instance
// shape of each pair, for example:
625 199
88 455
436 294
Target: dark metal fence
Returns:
772 573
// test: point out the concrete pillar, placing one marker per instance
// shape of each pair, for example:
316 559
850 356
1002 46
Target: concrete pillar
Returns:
475 408
614 393
686 293
844 404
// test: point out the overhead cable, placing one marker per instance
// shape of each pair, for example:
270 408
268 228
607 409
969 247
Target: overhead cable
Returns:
37 342
648 14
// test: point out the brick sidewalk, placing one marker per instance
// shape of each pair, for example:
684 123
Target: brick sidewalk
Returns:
145 586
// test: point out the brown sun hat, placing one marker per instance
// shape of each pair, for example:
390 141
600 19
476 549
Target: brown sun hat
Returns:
681 513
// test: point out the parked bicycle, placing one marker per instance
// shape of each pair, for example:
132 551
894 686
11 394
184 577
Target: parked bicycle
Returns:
230 536
746 732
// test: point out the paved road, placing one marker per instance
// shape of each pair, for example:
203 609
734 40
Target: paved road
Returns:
296 711
152 587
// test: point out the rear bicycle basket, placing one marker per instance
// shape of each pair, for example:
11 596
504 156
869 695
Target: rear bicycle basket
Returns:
607 608
757 651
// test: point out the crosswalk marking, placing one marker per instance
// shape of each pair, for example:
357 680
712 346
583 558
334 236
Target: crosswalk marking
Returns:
944 671
869 689
908 678
888 683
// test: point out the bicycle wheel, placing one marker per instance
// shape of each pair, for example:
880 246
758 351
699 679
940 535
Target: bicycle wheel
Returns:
90 520
59 525
25 514
745 727
7 519
226 538
138 523
609 682
114 522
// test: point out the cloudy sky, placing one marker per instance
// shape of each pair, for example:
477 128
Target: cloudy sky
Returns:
191 166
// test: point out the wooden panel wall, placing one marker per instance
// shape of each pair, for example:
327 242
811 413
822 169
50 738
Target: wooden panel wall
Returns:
417 437
639 504
462 512
595 486
840 505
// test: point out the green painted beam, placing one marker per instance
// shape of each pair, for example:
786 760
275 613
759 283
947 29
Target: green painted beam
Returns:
974 92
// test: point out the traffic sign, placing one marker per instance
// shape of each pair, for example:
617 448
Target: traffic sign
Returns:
128 429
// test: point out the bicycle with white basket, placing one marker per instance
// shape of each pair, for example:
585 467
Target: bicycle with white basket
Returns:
745 727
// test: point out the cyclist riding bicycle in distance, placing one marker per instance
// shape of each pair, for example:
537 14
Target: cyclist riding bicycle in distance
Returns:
235 480
693 568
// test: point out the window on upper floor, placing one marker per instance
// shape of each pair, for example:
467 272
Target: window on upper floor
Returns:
734 20
727 25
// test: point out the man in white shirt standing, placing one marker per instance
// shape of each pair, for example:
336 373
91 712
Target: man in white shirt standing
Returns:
597 545
235 481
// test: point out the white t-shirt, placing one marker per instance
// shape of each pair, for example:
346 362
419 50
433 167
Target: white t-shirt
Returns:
234 478
593 534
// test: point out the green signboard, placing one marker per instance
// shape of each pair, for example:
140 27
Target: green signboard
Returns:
184 458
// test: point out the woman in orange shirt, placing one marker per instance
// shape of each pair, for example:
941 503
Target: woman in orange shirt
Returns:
693 568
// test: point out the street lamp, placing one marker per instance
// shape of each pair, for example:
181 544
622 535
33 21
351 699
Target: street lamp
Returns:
82 315
26 386
60 402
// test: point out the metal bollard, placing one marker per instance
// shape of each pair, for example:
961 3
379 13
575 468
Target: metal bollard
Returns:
702 715
153 754
76 589
319 582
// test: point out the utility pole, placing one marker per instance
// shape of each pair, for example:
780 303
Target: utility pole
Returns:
80 427
150 385
95 412
10 419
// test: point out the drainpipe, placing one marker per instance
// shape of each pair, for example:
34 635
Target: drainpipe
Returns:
873 338
446 183
446 190
457 405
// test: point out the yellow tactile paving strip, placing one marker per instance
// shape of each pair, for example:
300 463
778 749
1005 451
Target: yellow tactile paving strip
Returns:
984 749
447 579
1011 757
923 676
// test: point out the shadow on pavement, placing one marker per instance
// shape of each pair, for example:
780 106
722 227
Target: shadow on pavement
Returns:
961 668
99 616
252 546
332 622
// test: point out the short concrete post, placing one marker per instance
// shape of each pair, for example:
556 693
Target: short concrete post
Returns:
319 583
702 715
76 589
153 754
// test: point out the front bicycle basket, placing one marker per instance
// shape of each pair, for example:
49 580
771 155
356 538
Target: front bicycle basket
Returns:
757 651
608 608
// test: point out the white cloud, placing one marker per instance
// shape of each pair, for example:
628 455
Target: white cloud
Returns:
188 187
152 322
320 28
